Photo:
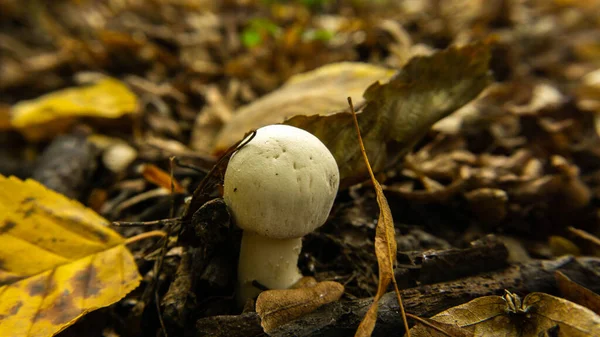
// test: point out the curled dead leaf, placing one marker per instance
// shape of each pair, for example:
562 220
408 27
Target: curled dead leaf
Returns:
159 177
399 113
385 244
278 307
538 314
577 293
488 204
560 246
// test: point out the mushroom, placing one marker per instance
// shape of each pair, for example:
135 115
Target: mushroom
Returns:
279 187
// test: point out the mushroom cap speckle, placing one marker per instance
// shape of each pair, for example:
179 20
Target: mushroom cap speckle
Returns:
281 184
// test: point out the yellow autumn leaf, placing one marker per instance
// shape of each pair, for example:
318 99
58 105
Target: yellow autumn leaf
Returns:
58 261
50 114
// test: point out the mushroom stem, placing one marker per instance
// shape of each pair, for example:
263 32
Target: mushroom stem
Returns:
271 262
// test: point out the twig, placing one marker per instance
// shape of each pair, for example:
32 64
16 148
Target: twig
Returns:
585 235
145 235
162 222
429 325
196 196
159 262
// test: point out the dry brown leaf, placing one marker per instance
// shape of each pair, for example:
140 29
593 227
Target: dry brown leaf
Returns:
586 236
278 307
488 204
536 315
321 91
385 246
399 113
588 95
438 329
159 177
560 246
577 293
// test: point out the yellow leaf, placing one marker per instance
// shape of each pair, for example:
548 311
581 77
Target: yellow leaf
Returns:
50 114
58 261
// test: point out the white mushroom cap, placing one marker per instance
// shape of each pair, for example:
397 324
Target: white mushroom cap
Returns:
282 184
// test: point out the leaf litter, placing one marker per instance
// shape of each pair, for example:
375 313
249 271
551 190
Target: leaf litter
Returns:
519 158
537 314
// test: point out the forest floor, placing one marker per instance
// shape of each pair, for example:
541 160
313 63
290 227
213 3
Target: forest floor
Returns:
484 134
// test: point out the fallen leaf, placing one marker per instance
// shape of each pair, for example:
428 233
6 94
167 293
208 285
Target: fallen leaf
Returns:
577 293
488 204
560 246
160 178
585 235
51 114
544 96
278 307
210 120
321 91
385 245
588 95
399 113
58 261
508 316
437 329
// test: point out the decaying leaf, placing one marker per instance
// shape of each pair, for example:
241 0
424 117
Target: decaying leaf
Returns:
577 293
588 95
278 307
157 176
586 236
58 261
399 113
438 329
488 204
321 91
538 314
385 244
560 246
50 114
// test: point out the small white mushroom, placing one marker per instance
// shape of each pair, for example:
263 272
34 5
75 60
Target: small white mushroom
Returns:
279 187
